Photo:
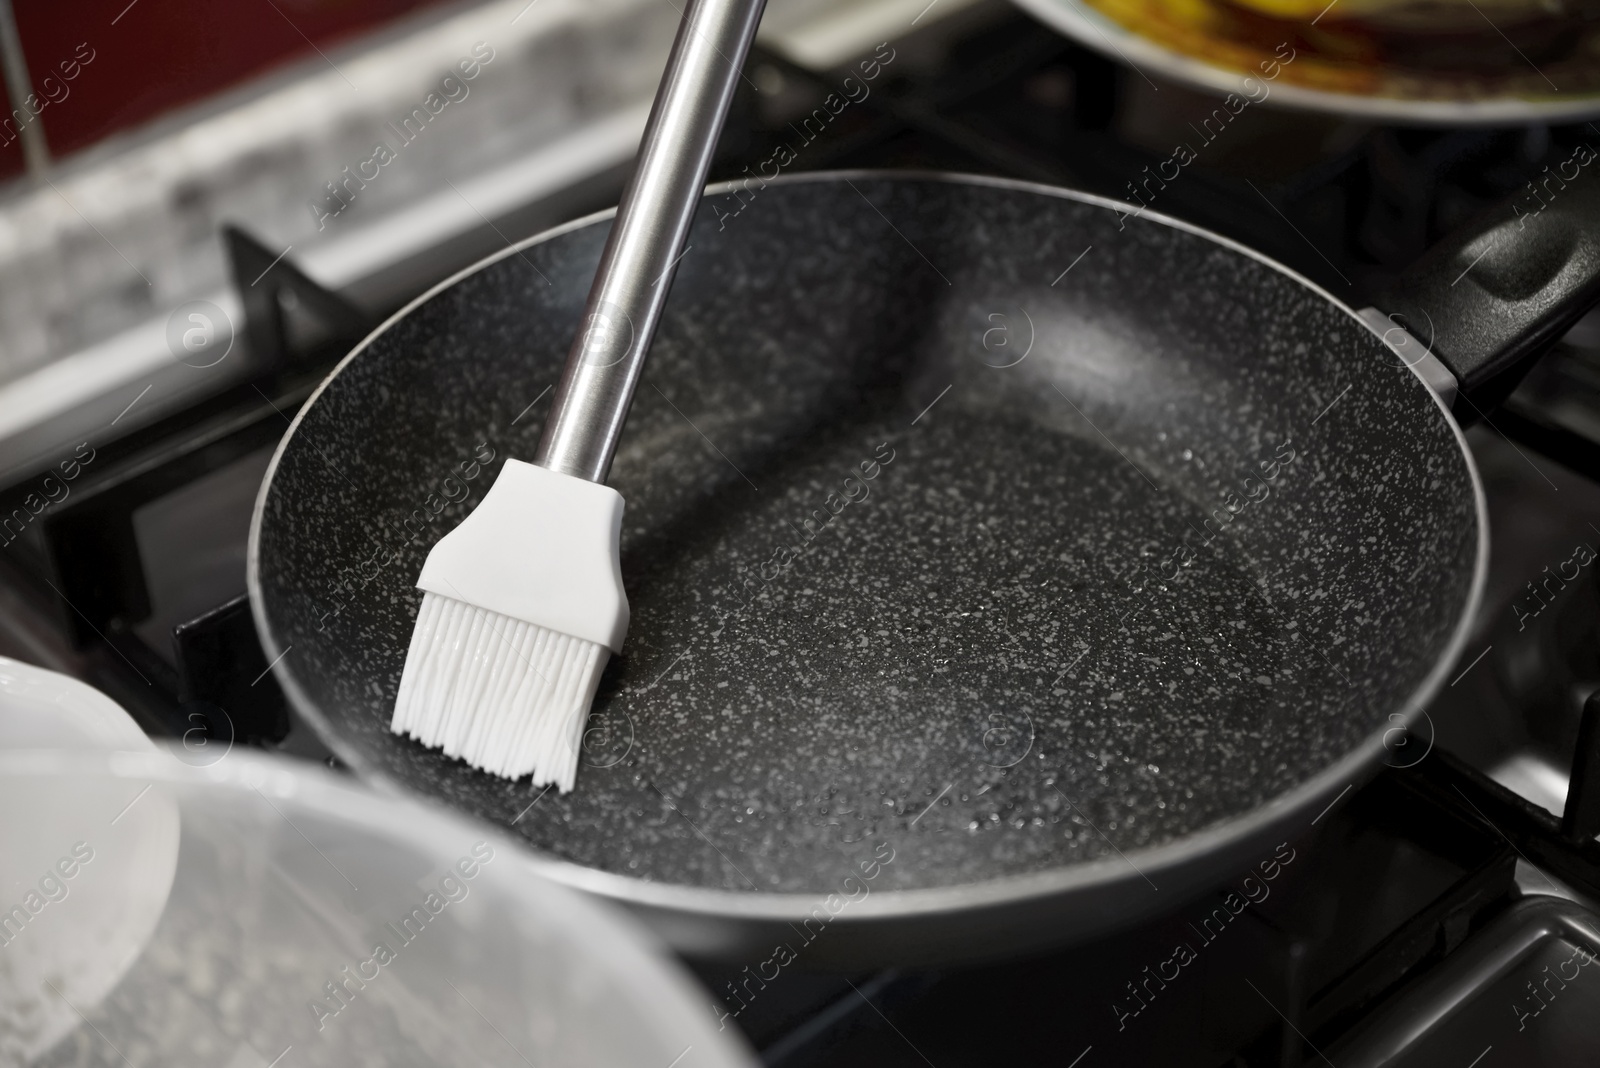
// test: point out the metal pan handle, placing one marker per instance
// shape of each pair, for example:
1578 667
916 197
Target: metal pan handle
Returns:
1494 295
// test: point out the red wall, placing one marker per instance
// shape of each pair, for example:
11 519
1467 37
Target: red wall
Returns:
161 54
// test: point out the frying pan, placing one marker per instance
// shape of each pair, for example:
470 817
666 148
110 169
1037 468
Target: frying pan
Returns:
1004 567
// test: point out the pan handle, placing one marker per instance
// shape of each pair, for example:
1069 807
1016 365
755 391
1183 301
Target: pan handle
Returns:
1494 295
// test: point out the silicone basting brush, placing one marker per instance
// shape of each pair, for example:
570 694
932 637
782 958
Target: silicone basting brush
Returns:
523 603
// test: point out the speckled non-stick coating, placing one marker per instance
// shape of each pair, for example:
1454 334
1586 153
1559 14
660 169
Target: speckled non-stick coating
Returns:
962 663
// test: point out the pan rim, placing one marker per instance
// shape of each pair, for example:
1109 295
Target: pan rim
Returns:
1331 783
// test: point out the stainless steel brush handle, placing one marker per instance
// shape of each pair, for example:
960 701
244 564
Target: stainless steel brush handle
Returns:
635 273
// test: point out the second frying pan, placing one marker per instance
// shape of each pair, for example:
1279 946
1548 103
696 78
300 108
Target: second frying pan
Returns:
1453 67
1003 568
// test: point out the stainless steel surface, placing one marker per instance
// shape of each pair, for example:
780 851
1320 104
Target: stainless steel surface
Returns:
1518 720
630 288
1458 1014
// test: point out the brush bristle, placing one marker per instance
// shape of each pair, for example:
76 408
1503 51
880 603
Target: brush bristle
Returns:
502 694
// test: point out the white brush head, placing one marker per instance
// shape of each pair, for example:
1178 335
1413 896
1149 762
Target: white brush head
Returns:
522 606
500 693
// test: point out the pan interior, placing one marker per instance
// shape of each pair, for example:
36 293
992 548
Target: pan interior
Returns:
938 550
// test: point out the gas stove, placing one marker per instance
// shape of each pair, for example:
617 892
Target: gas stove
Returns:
1441 913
